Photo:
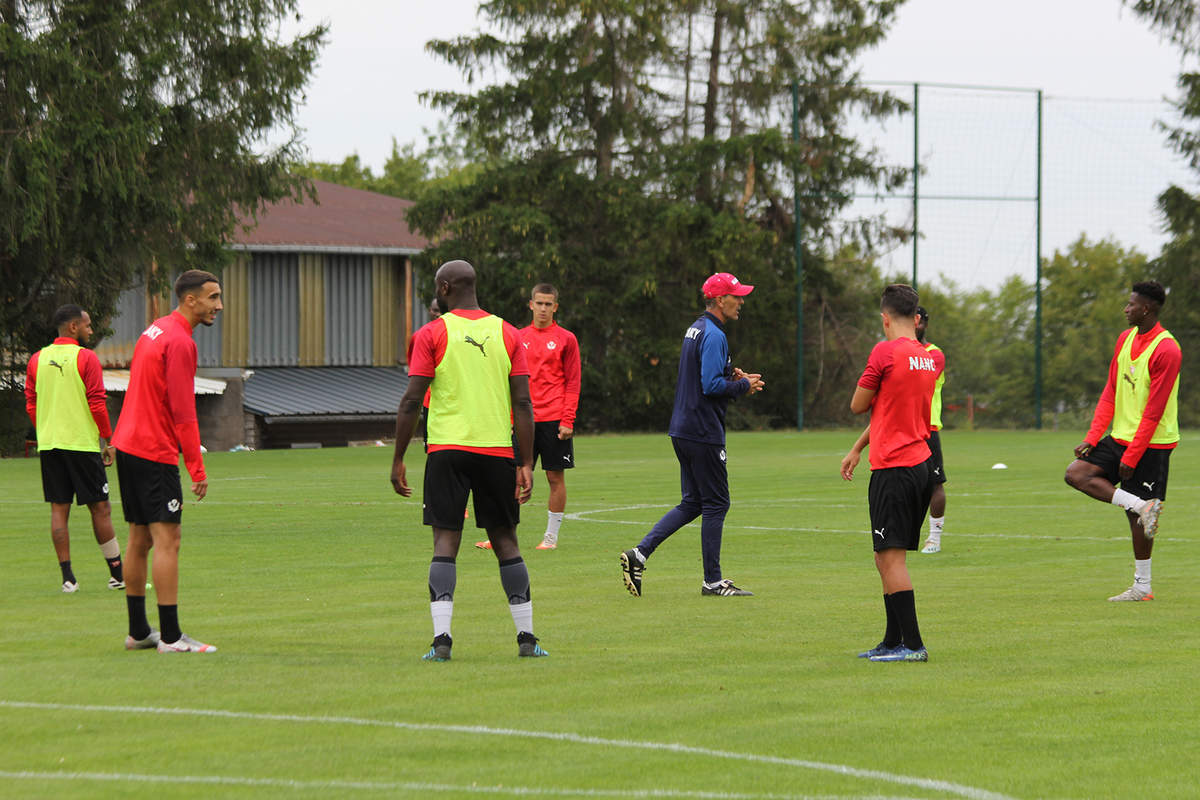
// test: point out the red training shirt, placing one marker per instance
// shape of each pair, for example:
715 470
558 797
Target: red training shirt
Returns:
1164 370
554 373
93 383
429 347
158 419
902 373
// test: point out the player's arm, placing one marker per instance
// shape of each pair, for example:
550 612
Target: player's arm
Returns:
860 403
522 407
714 355
572 368
92 375
755 378
181 407
1106 406
851 459
407 416
1164 372
31 388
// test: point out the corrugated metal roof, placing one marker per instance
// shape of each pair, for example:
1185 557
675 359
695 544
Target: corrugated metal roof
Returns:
307 391
117 380
347 219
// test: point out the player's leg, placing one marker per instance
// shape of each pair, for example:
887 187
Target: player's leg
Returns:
1150 481
1096 475
106 537
445 493
899 498
555 508
90 481
137 553
558 455
61 538
633 560
712 484
937 502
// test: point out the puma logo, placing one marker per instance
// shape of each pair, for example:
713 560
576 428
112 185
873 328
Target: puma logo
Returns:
1149 485
57 366
480 345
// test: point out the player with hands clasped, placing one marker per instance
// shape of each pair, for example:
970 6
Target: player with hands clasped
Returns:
707 382
896 389
66 402
473 364
1140 399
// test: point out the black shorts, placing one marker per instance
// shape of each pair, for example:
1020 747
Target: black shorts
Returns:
150 491
899 498
937 470
71 474
556 454
1149 478
450 475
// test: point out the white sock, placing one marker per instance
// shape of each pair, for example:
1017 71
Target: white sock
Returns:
935 528
522 614
441 611
553 523
1141 573
111 549
1127 501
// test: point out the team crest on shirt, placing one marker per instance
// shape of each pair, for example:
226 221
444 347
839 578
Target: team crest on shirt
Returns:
550 345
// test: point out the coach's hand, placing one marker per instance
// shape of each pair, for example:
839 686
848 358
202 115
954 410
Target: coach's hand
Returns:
400 479
1082 449
524 483
200 488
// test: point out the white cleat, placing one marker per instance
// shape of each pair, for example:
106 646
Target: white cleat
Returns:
1148 516
70 587
148 643
1134 594
186 644
932 547
113 583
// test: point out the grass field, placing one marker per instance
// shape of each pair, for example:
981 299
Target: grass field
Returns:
309 574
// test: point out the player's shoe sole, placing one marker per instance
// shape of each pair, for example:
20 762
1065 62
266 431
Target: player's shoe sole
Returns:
185 644
149 643
631 572
1148 516
903 653
1131 595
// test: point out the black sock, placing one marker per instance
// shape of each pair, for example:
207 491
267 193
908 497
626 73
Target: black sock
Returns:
114 569
905 604
139 627
892 635
168 621
67 574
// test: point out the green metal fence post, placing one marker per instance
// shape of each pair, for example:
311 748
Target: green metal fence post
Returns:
1037 313
799 254
916 174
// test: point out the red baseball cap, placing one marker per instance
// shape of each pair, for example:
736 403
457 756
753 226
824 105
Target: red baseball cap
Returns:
721 283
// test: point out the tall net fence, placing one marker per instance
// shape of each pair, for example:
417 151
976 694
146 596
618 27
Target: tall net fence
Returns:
975 202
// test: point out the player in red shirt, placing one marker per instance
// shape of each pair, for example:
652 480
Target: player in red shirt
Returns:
73 434
157 423
896 388
552 354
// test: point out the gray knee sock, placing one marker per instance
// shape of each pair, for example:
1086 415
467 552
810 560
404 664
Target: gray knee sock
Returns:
443 575
514 577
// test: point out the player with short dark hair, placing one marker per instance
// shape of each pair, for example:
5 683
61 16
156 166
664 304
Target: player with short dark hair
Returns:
937 503
1141 401
896 388
157 423
552 353
67 404
706 383
474 366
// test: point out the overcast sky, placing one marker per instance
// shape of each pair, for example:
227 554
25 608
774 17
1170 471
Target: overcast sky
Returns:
1104 162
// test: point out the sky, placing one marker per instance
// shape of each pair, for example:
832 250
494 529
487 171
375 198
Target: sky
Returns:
1084 54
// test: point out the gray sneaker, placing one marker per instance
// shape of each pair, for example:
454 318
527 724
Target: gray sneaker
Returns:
149 642
1148 516
185 644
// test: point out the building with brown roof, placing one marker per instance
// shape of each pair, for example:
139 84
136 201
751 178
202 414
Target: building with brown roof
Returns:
316 286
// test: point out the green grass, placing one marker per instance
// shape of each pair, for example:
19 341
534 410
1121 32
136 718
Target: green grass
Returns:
309 574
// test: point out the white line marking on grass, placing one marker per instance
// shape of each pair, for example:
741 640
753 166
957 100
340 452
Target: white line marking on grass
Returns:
413 786
970 792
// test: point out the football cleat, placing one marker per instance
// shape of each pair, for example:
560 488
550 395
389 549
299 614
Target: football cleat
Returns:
1148 516
1134 594
185 644
486 544
528 647
113 583
547 545
724 588
931 547
902 653
440 649
631 572
70 587
878 650
150 641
